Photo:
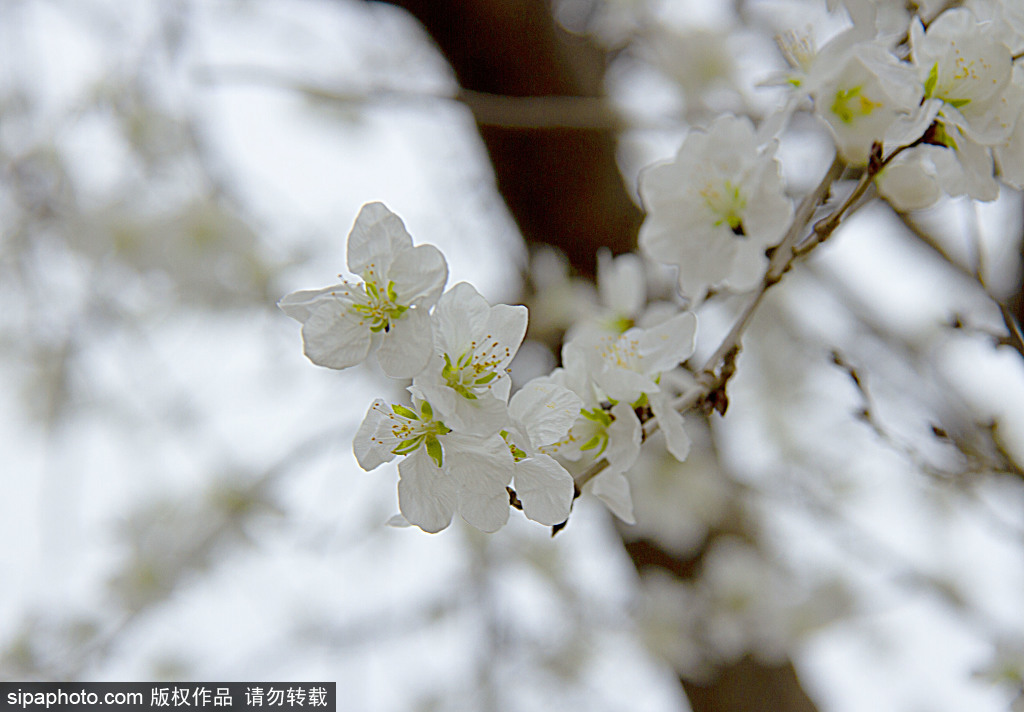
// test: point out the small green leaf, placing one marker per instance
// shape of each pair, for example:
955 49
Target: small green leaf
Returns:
931 81
426 411
599 441
464 392
942 137
434 450
621 324
958 103
405 412
407 446
597 415
486 378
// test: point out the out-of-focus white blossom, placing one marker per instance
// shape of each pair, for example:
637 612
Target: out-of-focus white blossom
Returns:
622 287
559 300
973 97
744 601
863 99
669 622
677 504
474 342
387 312
715 208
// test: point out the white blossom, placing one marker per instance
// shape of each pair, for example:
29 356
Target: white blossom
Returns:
387 312
540 414
715 209
442 472
466 379
622 288
627 366
864 97
602 430
971 105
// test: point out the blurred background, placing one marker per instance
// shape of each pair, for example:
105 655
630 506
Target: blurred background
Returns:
179 497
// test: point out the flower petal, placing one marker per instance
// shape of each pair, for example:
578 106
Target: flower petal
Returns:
334 336
545 410
427 496
299 305
670 421
668 344
621 282
482 468
366 446
460 315
624 437
545 489
407 345
483 416
376 237
612 488
507 324
419 275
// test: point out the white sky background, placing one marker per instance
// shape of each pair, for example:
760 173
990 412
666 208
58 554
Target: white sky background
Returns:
175 401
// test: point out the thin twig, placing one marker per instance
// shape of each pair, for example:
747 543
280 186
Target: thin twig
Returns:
1015 338
781 260
514 112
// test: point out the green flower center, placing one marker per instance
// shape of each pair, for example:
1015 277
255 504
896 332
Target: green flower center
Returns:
380 308
414 430
727 202
853 104
475 368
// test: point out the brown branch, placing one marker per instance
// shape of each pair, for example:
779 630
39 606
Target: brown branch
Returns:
1008 311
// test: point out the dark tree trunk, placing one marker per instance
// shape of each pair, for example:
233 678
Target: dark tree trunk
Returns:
562 185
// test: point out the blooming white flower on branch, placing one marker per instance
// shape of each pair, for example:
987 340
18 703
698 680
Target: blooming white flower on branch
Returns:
628 366
540 414
387 312
715 208
973 98
442 472
864 97
466 379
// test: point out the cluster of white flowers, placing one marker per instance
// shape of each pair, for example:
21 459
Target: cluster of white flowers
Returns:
944 101
930 111
466 446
